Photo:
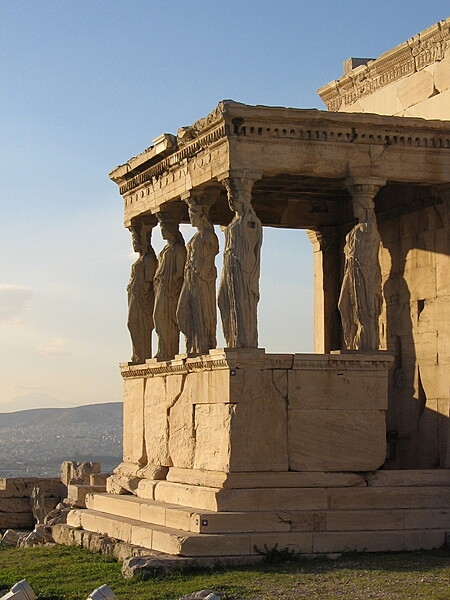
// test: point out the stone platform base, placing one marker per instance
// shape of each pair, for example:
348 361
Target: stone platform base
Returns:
328 513
245 411
137 561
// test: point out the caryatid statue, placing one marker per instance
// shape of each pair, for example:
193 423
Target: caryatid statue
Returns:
239 284
196 312
168 282
360 300
141 296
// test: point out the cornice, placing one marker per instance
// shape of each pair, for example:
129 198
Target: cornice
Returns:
418 52
237 358
343 361
185 153
232 121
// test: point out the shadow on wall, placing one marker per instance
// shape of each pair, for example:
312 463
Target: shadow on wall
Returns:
416 334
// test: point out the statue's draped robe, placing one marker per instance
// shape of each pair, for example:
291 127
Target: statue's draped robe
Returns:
141 299
168 283
196 312
239 284
360 300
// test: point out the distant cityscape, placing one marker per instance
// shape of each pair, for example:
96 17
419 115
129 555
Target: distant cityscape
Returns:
34 443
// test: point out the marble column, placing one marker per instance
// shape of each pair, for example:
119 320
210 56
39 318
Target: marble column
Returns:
196 311
168 282
141 295
239 284
360 300
326 260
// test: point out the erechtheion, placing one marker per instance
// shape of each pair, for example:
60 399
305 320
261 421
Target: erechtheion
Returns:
227 450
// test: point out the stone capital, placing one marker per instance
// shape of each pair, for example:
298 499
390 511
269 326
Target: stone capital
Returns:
171 212
147 222
248 174
201 197
239 183
323 239
364 189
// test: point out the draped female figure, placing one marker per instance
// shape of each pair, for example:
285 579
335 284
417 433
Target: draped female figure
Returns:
360 299
239 284
196 312
141 295
168 282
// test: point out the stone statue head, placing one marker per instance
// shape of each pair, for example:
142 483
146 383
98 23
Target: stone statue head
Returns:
141 238
236 203
239 193
169 221
197 215
136 237
170 231
199 206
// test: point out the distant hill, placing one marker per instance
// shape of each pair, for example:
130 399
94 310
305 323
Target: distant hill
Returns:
33 399
35 442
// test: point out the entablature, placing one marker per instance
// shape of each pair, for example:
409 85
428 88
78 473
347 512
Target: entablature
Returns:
304 156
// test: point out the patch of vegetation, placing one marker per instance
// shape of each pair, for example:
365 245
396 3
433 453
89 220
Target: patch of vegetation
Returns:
72 573
274 555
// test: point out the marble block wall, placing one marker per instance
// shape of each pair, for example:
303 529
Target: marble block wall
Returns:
247 411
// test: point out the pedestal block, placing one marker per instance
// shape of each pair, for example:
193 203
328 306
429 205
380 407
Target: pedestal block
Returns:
245 411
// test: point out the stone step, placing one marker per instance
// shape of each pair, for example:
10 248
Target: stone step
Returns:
209 522
177 542
282 499
245 500
189 519
161 539
264 479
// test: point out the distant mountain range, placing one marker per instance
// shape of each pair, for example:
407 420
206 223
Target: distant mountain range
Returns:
33 400
35 442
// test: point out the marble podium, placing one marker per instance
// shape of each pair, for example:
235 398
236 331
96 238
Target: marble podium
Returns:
240 444
236 410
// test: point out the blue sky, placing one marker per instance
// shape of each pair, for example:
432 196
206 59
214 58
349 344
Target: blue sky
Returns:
88 84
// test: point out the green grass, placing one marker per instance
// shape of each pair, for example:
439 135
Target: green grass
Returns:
71 573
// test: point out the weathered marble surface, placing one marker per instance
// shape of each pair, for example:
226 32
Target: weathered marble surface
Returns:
239 284
412 79
196 312
415 261
244 411
167 282
361 299
141 295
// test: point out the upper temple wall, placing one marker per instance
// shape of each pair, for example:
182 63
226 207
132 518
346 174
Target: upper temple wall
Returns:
412 79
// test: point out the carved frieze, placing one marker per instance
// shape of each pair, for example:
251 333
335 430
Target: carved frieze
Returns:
337 361
302 127
187 134
163 168
417 53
